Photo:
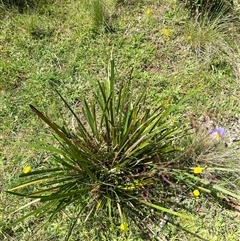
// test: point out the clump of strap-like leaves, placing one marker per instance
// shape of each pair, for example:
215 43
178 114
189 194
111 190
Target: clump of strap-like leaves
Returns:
111 163
115 167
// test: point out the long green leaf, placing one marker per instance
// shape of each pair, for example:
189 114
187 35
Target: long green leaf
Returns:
112 107
83 130
29 183
60 196
50 124
163 209
225 191
43 147
37 172
26 205
35 212
203 181
109 206
91 118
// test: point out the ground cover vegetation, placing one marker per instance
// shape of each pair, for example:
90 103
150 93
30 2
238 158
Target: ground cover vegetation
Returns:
133 123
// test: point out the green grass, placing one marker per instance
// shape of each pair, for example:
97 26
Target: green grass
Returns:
59 43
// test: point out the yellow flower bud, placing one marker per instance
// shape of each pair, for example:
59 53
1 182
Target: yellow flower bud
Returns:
26 169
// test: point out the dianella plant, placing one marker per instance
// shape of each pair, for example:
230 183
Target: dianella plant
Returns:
111 162
115 163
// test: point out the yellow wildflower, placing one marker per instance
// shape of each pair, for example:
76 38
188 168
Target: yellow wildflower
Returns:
148 11
196 193
124 227
197 170
26 169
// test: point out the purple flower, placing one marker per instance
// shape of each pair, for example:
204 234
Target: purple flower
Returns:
217 133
